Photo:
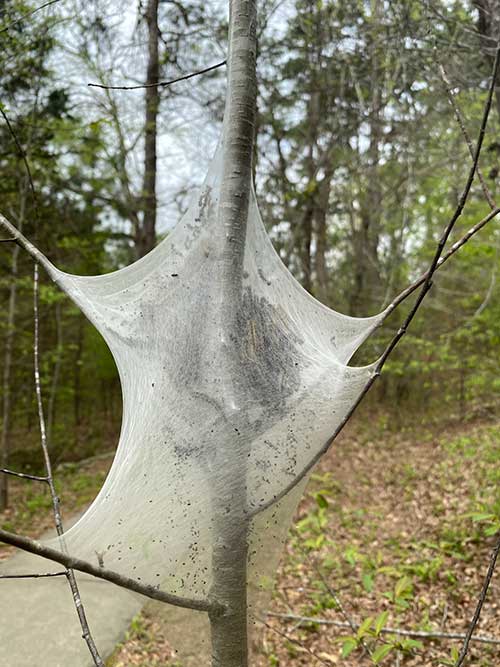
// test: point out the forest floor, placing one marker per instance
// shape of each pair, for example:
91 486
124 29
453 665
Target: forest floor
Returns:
395 531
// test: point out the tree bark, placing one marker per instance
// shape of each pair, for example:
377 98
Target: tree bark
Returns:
230 551
366 238
77 377
8 356
6 384
146 233
56 372
321 229
488 26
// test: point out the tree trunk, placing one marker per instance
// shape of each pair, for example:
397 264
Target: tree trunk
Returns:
488 26
367 237
321 229
77 375
146 233
8 356
6 385
56 372
229 558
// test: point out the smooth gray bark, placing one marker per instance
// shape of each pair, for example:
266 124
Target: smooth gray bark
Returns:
229 558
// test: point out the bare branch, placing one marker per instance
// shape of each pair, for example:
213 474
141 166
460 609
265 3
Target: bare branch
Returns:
29 247
22 475
416 634
340 606
20 150
461 124
70 562
33 576
482 597
453 249
80 609
425 286
27 14
296 642
160 84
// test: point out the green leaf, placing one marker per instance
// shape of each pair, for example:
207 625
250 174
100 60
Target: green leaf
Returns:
367 580
321 500
348 647
381 621
476 517
409 644
403 587
365 626
381 652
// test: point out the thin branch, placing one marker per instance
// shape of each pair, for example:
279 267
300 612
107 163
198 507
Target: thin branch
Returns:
416 634
482 597
23 475
425 284
402 296
80 609
340 606
461 124
33 576
160 84
336 598
26 15
29 247
295 641
70 562
7 240
20 150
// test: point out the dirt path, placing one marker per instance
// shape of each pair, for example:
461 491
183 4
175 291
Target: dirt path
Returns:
39 625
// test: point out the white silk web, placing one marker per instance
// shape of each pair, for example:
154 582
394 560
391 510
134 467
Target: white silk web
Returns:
218 419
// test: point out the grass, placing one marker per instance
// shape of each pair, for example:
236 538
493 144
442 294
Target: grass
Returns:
30 511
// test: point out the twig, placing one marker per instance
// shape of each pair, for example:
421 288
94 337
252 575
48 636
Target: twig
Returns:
29 247
461 124
80 609
72 563
338 602
87 636
482 597
343 612
7 240
160 84
295 641
402 296
33 576
416 634
23 475
21 151
27 14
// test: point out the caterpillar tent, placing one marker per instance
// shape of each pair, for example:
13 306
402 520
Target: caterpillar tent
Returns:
222 412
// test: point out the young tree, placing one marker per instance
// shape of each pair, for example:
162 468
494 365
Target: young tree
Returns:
248 331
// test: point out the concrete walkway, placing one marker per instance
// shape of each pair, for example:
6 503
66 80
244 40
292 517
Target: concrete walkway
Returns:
38 622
